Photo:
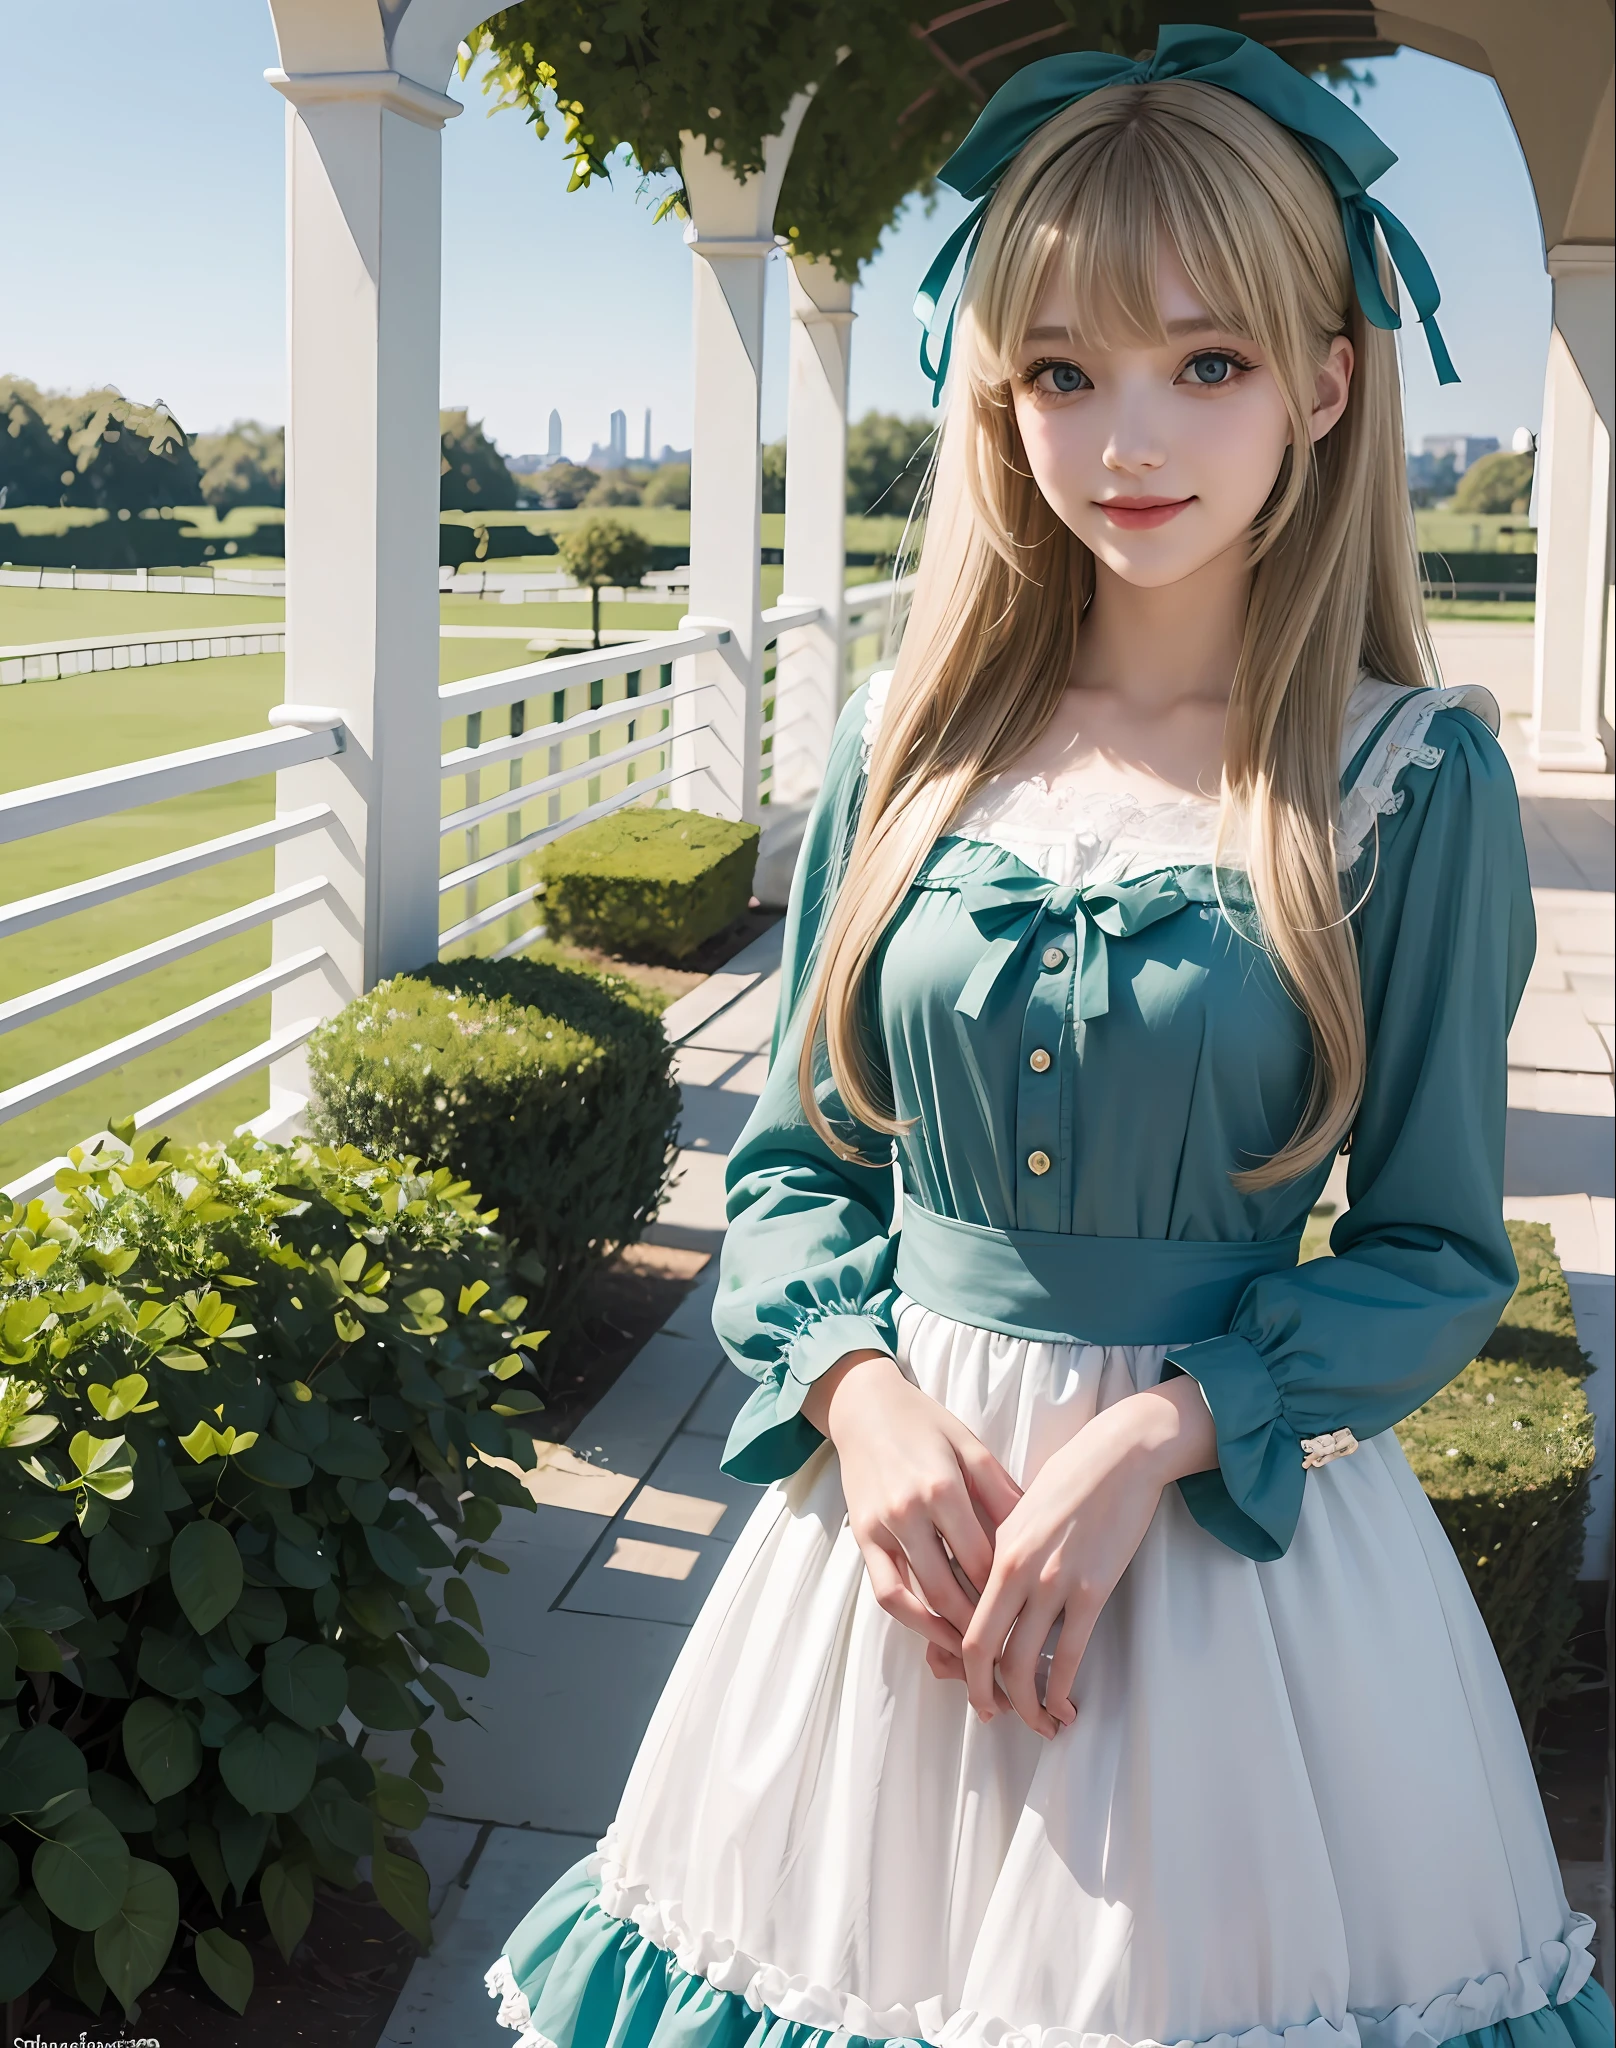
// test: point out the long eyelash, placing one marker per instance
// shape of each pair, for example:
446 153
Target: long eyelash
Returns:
1034 371
1222 355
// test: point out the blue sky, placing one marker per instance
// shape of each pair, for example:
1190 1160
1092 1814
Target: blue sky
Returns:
149 249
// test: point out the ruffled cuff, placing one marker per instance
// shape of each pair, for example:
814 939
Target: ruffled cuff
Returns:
771 1438
1253 1499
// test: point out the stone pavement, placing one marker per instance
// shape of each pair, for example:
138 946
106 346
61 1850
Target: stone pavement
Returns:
634 1518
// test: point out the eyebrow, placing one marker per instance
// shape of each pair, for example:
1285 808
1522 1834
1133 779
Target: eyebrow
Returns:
1196 324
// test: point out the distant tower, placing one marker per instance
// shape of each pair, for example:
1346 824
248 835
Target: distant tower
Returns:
647 455
619 440
554 452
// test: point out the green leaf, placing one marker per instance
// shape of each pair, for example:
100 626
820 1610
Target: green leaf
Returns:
205 1568
400 1885
300 1566
123 1397
82 1870
226 1967
37 1766
375 1607
271 1463
89 1986
128 1812
351 1448
133 1945
119 1567
242 1837
458 1598
208 1860
459 1649
353 1262
470 1296
400 1803
308 1682
333 1810
26 1949
287 1891
10 1871
259 1616
269 1769
171 1664
36 1651
392 1555
427 1301
161 1747
377 1700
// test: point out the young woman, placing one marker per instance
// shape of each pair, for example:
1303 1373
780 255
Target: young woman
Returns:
1093 1671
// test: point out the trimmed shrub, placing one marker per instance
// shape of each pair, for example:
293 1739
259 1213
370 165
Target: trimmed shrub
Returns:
247 1393
648 884
1505 1453
549 1088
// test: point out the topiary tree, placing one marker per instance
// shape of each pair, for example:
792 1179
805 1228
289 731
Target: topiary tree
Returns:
604 554
1497 483
472 470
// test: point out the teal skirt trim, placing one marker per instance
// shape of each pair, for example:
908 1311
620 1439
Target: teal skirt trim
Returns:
575 1976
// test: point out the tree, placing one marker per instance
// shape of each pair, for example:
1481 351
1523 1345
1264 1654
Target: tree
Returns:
110 452
30 459
245 465
774 476
604 554
1497 483
886 462
615 490
670 486
564 485
472 470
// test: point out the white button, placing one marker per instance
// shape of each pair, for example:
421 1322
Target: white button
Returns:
1039 1061
1054 956
1038 1161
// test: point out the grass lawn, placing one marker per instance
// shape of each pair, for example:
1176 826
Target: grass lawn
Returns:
1476 533
201 519
34 615
1508 612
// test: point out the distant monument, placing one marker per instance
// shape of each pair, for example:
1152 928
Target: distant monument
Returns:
646 457
553 453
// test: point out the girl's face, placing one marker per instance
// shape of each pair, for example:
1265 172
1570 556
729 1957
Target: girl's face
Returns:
1159 458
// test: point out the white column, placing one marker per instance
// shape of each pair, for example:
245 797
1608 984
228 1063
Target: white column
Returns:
808 672
731 235
364 206
1570 714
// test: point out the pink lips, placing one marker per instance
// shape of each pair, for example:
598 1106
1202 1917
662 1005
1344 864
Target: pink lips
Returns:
1135 514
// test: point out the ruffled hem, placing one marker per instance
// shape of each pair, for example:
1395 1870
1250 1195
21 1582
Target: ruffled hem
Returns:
576 1969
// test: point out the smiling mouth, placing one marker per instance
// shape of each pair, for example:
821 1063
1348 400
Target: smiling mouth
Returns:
1137 513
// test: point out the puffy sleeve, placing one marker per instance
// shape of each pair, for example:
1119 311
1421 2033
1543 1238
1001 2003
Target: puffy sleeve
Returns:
1422 1266
805 1274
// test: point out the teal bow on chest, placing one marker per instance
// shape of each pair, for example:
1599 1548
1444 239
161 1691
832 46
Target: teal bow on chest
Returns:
1016 912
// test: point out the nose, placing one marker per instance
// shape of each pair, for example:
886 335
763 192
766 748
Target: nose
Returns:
1135 445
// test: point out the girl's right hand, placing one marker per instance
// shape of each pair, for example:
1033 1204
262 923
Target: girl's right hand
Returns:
914 1478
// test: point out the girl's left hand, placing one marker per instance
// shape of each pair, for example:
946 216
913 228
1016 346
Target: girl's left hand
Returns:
1058 1554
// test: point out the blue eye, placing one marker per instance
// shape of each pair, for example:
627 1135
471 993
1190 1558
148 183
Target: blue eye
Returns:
1211 369
1066 377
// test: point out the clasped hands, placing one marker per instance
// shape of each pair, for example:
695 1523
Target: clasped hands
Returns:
922 1489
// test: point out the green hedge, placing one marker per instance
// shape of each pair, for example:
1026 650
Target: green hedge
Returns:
1505 1453
549 1088
246 1392
648 884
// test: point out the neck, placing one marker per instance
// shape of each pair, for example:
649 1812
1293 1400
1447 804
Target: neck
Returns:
1161 647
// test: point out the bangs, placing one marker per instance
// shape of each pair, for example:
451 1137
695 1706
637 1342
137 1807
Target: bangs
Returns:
1090 218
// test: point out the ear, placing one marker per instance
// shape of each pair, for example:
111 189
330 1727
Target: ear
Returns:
1331 387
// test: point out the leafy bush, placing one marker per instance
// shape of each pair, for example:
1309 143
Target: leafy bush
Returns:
1497 483
669 485
246 1391
648 884
1505 1453
550 1088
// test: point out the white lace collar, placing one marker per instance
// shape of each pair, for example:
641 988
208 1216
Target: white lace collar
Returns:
1076 835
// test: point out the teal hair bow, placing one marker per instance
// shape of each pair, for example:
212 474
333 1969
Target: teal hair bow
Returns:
1347 150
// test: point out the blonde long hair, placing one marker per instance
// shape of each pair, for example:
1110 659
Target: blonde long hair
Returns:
993 628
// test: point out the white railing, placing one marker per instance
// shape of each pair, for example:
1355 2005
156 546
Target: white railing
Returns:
622 723
875 614
300 734
612 776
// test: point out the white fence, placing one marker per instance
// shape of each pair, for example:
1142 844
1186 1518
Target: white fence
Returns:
535 752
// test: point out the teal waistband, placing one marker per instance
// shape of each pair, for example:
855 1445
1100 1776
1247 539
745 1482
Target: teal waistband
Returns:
1103 1290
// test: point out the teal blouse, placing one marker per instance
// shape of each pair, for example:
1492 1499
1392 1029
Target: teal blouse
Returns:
1175 1056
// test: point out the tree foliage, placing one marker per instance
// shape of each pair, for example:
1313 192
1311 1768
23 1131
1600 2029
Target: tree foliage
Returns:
1497 483
110 452
669 485
604 554
245 465
563 485
615 489
885 113
886 462
774 476
472 472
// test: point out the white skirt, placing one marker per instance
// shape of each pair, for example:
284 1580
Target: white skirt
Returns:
1295 1802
